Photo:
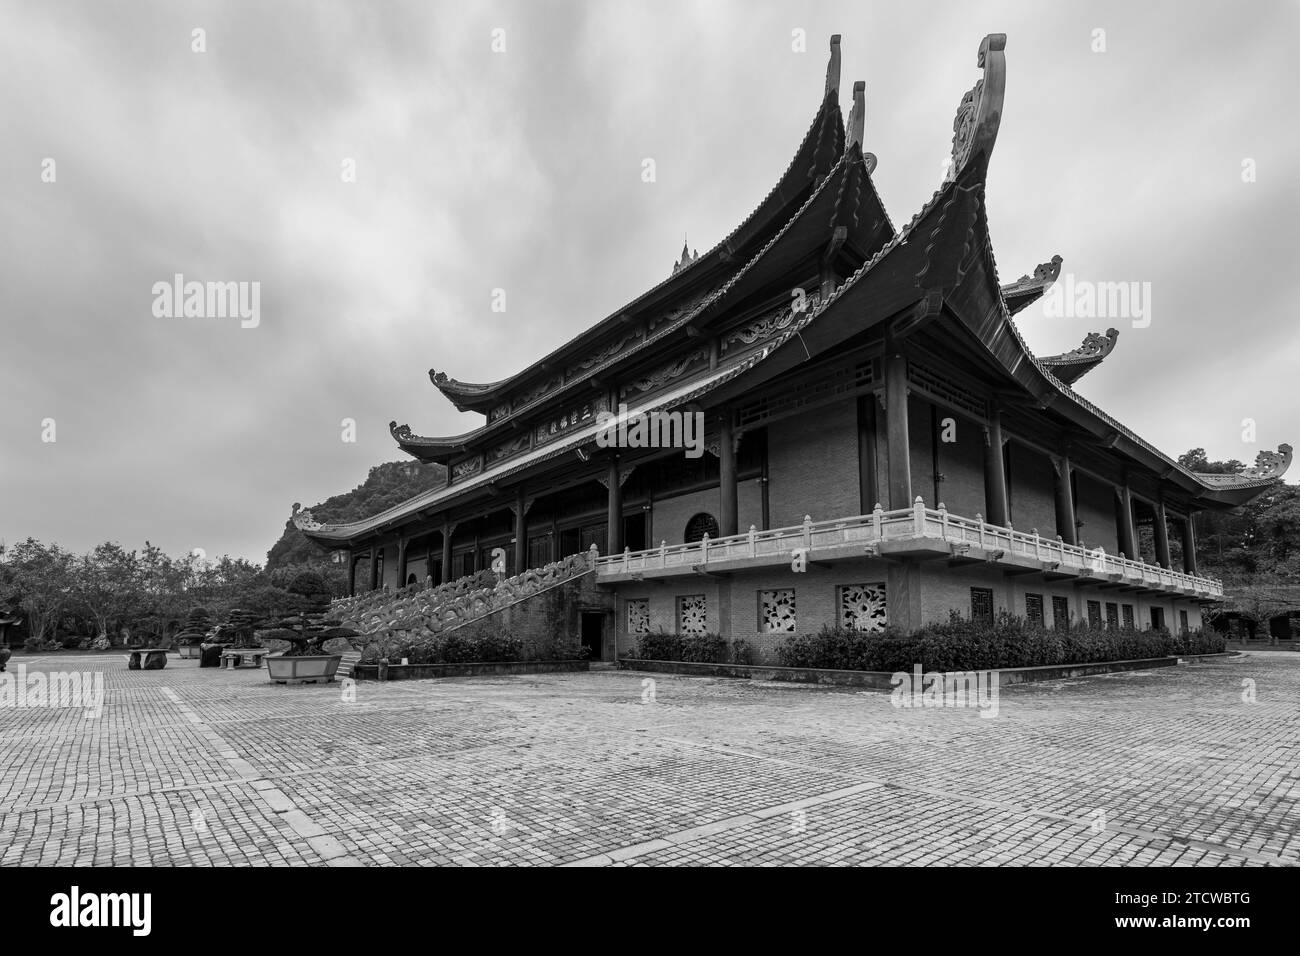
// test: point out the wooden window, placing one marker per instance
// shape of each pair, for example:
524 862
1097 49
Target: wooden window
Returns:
1112 616
1157 618
1128 617
981 605
1060 613
1034 609
700 525
1094 614
1182 621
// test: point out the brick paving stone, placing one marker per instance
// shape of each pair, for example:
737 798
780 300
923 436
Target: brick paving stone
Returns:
214 768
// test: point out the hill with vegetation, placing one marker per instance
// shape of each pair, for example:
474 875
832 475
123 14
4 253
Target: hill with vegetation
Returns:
386 485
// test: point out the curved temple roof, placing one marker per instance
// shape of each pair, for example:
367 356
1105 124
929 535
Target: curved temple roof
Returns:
821 148
940 264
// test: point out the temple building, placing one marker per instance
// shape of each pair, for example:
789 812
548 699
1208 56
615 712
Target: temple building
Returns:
880 446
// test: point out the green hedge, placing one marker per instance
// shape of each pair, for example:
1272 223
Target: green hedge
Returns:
961 644
482 644
693 648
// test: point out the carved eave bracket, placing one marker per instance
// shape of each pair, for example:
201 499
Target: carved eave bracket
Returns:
857 116
975 129
1029 288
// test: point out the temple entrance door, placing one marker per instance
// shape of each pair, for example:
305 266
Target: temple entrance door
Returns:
593 634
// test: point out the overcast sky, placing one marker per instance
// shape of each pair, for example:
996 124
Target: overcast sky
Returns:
521 170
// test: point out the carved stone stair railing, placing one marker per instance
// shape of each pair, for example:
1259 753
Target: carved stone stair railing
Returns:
426 614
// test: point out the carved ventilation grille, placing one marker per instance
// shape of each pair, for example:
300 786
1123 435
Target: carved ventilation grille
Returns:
813 392
1060 613
776 611
638 616
939 387
981 605
862 607
699 526
1034 609
692 614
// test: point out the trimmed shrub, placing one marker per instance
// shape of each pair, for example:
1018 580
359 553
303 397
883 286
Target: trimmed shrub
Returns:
961 644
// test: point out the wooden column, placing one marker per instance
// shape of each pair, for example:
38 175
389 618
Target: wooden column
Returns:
447 529
1127 529
521 533
352 574
374 566
995 473
614 535
867 496
1189 543
727 471
1065 519
900 464
401 561
1162 536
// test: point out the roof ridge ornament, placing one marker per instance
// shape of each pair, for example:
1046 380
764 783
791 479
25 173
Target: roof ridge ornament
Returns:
975 128
1269 464
833 68
857 116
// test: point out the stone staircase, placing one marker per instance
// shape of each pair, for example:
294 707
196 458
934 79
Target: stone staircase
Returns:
419 613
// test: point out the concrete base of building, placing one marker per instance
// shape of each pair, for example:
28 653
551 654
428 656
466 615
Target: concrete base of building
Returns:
423 671
884 680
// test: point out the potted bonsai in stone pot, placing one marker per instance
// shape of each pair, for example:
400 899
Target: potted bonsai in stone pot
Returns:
306 660
196 626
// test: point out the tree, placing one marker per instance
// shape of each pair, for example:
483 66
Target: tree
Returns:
106 585
39 579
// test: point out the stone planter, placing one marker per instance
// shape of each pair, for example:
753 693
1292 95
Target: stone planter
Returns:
188 651
309 669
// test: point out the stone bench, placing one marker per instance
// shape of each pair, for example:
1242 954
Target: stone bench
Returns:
234 657
147 659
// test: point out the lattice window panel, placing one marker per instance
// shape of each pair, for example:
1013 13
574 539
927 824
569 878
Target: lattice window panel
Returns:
638 616
776 611
862 607
941 388
981 605
692 614
1094 614
1060 613
811 392
1034 609
1128 617
1112 615
1182 621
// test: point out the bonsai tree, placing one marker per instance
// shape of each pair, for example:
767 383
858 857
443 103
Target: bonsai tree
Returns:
308 630
196 626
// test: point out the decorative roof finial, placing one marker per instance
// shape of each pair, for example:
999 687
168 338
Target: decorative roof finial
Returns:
976 127
687 257
833 68
857 115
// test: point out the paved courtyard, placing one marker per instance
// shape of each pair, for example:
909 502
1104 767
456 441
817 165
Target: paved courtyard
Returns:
189 766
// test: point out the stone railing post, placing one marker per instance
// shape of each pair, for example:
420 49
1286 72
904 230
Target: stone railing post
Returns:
807 532
943 519
593 554
627 558
704 547
753 541
979 520
663 553
878 521
918 516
